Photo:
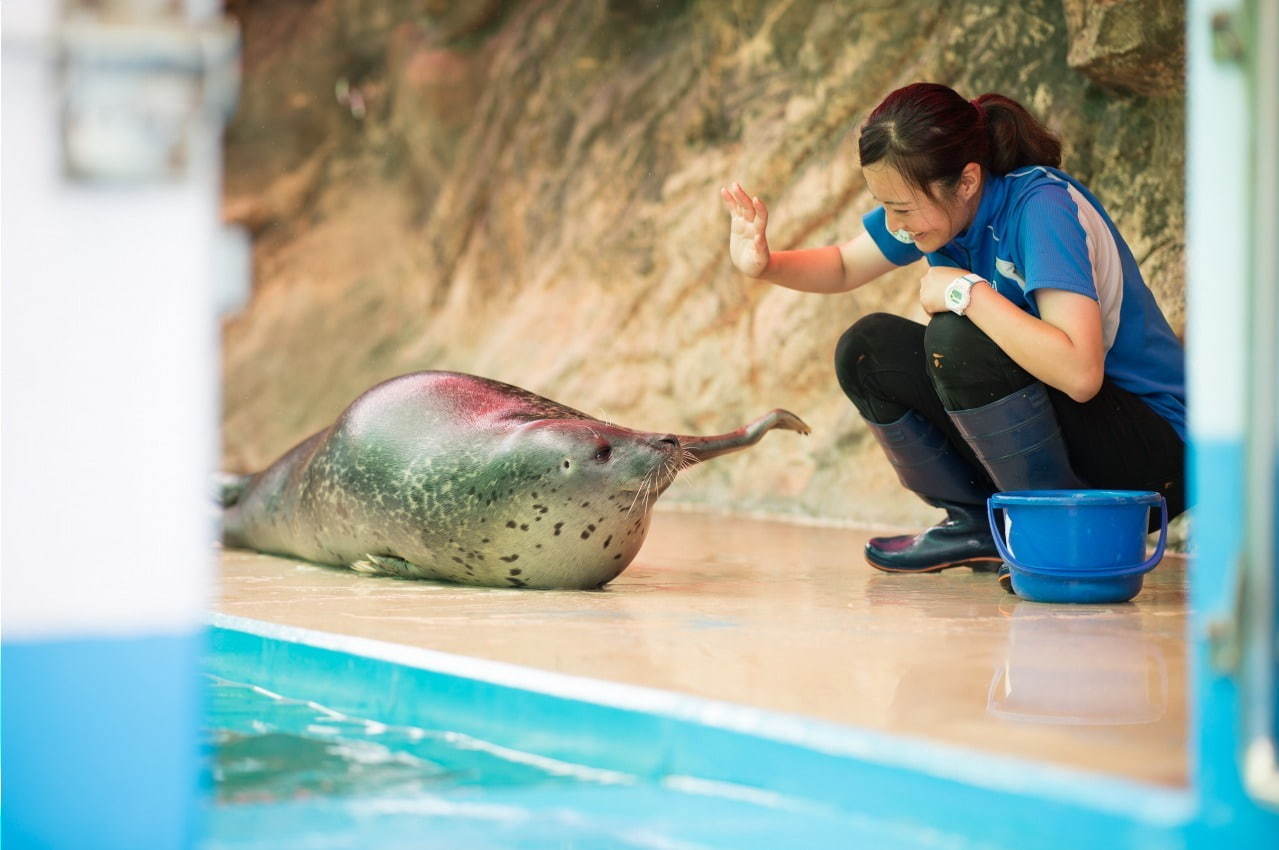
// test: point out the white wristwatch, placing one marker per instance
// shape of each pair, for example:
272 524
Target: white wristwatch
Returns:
959 292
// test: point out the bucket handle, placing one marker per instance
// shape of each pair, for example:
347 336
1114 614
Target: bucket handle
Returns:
1001 545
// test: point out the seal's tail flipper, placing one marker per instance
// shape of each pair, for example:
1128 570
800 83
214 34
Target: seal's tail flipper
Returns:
699 449
230 487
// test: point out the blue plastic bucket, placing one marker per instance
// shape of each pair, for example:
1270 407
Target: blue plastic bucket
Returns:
1077 545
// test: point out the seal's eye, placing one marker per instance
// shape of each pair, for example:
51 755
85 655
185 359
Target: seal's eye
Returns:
603 453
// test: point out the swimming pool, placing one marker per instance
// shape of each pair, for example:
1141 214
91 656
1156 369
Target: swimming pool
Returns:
325 741
296 773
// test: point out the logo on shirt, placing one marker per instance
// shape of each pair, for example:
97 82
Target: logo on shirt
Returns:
1008 270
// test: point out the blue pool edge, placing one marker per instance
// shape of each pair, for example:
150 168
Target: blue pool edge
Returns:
989 799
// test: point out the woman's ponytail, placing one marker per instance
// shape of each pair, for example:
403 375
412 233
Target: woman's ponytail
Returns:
1016 138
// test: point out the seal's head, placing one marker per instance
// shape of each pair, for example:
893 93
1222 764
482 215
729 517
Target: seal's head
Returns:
576 499
597 458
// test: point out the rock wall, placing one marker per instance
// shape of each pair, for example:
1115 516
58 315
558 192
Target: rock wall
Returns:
528 191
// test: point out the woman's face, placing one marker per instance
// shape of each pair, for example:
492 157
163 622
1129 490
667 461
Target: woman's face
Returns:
915 217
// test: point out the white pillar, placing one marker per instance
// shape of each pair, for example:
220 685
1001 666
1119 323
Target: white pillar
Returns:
108 372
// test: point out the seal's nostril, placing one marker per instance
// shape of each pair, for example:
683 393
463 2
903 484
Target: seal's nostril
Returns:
670 439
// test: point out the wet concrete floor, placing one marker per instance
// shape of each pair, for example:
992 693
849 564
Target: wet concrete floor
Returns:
789 617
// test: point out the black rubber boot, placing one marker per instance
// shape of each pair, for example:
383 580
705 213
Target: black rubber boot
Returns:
927 465
1018 441
961 540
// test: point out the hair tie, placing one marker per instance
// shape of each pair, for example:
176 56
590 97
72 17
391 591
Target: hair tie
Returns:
981 114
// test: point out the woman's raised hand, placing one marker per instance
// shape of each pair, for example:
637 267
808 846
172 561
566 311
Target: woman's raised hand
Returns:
747 245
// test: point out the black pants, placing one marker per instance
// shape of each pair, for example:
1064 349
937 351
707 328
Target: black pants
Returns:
887 365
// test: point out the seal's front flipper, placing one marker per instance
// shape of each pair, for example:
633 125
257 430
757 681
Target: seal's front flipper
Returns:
698 449
785 420
386 565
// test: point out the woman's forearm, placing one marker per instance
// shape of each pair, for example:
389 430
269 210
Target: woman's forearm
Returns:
807 270
1042 349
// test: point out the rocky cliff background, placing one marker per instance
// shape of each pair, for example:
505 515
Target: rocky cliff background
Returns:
528 191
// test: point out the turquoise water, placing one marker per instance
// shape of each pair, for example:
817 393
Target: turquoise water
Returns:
295 774
267 748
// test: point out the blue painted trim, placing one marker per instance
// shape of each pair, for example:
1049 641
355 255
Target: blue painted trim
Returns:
1226 812
100 742
957 797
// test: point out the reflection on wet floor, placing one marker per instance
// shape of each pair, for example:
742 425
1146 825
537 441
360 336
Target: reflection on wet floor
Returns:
1068 669
788 617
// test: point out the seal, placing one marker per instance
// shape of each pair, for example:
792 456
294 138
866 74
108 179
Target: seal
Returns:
453 477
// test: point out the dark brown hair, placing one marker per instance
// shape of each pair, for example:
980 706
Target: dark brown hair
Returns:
928 133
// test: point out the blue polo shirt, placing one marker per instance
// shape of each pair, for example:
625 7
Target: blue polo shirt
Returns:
1039 228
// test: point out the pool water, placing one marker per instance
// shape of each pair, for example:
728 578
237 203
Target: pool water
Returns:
295 774
267 748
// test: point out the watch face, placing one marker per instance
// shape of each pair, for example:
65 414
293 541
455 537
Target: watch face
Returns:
954 296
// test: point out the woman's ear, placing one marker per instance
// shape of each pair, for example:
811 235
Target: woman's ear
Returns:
970 181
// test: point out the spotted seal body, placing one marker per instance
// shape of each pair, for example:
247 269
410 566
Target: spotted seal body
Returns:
441 475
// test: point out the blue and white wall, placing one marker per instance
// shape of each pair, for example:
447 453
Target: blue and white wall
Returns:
1230 328
108 369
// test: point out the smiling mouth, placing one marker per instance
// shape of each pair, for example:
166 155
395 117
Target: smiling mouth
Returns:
656 480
